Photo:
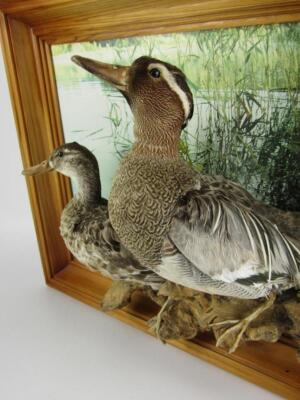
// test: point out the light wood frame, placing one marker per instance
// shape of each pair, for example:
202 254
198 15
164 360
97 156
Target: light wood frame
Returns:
28 29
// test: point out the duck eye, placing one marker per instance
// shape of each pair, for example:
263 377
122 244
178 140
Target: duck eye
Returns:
154 72
60 154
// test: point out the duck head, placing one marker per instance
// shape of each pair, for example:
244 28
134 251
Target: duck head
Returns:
74 161
157 93
70 159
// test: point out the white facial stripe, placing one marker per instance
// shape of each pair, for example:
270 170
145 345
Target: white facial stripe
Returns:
169 78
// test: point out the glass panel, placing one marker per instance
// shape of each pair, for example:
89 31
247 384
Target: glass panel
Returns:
246 86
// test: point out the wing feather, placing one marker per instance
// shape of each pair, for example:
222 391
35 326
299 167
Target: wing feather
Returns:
221 236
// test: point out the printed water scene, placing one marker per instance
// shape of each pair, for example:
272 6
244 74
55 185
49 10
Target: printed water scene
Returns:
246 87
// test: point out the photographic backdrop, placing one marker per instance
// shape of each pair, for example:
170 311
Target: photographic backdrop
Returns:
246 87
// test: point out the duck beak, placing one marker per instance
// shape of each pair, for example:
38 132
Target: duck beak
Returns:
38 169
117 75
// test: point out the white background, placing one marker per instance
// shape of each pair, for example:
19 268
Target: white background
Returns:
54 347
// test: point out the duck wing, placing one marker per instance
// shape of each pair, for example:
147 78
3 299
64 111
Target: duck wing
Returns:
218 243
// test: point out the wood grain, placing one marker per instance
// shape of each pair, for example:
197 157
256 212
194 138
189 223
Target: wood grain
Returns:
54 113
72 21
36 138
144 28
28 28
141 27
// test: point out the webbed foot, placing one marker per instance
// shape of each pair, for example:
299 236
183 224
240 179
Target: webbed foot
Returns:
232 336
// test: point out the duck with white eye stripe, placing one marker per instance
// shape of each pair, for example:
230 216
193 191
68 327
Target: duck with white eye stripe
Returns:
203 232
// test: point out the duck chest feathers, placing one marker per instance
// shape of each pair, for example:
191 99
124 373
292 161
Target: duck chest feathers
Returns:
142 201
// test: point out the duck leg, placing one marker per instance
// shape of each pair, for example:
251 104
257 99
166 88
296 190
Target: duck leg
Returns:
240 328
156 322
118 295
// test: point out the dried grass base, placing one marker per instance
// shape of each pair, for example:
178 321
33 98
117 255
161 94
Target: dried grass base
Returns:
186 312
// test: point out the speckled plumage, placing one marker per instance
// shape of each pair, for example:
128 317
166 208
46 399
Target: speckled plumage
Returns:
85 226
149 188
161 196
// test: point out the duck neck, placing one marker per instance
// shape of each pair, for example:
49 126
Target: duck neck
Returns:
154 138
88 188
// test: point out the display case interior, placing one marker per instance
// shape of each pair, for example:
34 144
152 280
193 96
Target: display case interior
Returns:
253 91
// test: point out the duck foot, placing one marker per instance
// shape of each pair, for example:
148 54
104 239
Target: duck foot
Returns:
155 323
118 295
237 331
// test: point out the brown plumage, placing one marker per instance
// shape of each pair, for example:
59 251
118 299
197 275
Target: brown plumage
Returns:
85 226
206 233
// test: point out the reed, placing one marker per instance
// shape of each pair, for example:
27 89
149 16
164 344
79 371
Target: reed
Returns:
246 86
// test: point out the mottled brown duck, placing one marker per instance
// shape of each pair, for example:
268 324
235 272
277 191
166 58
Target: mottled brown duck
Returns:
84 225
203 232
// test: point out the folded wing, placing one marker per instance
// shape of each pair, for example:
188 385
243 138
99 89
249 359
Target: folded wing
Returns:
218 240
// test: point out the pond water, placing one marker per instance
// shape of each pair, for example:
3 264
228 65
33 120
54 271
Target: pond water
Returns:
84 111
245 82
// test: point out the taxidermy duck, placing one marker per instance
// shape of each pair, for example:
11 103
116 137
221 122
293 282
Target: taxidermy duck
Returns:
85 226
203 232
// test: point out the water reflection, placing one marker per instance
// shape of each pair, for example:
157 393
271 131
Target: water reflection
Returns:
84 110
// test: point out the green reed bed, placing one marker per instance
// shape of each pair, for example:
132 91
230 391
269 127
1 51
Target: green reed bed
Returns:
246 86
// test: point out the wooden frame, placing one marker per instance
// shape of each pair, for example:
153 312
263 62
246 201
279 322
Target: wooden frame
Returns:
28 28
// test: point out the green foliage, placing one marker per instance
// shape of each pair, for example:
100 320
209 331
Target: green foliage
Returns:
246 86
280 154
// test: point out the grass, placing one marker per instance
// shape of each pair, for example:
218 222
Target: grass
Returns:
246 86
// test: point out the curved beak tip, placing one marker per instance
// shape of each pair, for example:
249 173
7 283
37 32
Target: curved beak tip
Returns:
116 75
